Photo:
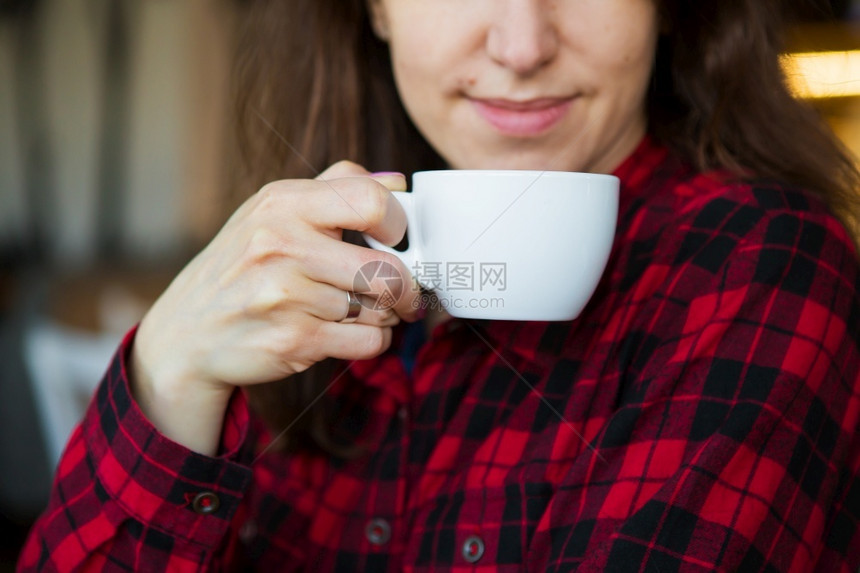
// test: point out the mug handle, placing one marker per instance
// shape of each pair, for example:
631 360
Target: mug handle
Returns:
408 257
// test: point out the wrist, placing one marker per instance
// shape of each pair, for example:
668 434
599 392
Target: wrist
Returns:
184 409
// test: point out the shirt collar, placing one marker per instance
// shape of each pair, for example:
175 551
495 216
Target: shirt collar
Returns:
636 170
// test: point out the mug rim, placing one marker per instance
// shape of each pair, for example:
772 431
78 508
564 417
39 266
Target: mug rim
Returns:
508 172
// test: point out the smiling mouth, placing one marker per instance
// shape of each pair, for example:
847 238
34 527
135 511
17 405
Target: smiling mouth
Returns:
522 118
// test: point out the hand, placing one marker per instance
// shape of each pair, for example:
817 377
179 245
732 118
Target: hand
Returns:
264 299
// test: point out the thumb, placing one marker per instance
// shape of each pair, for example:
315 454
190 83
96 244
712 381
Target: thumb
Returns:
342 169
392 180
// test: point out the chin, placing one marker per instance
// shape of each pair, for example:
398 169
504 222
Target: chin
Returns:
519 159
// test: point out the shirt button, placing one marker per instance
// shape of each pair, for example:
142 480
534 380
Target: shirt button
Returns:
473 548
378 531
205 503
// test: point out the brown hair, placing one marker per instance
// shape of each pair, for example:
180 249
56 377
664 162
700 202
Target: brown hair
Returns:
720 100
314 85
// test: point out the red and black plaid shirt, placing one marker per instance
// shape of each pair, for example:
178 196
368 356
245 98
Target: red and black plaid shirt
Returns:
701 414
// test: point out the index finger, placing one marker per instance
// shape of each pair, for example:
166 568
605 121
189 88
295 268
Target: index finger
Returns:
356 203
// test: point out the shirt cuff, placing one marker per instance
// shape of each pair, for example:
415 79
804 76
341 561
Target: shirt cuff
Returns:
155 480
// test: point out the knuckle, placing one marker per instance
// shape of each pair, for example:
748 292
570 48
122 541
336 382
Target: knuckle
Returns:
284 343
265 300
394 265
345 165
278 196
295 250
269 194
374 202
266 200
296 366
376 342
263 244
287 343
342 168
386 317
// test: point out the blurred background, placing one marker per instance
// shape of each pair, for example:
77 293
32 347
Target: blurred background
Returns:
115 167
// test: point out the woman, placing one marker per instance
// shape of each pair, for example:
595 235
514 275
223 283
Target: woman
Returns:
700 414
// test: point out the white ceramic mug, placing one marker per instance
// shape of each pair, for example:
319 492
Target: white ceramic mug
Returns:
509 245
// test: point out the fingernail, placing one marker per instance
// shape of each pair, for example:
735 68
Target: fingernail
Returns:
384 173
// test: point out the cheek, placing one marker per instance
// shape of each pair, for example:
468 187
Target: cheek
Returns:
622 38
420 75
413 78
626 63
430 43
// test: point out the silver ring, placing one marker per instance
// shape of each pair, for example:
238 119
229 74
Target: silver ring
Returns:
353 308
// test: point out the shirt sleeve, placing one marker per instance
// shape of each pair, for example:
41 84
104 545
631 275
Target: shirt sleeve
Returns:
735 447
126 497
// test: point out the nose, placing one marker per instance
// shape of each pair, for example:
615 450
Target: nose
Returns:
522 35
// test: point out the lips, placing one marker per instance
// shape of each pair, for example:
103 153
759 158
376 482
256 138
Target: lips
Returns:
522 118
